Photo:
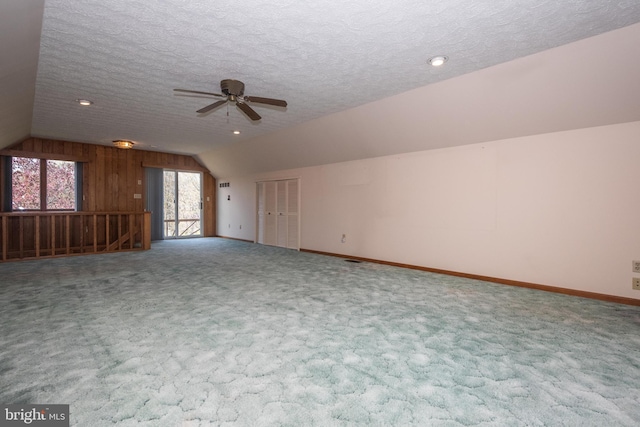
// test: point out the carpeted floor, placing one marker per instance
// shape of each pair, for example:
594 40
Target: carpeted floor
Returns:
218 332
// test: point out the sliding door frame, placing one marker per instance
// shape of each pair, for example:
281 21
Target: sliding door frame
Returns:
176 213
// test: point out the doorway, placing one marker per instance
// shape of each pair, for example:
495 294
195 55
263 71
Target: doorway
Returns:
182 204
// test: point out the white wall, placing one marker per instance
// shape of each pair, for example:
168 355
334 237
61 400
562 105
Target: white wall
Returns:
20 28
559 209
236 204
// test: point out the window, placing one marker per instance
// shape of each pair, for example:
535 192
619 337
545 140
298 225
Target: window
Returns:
61 185
40 184
25 183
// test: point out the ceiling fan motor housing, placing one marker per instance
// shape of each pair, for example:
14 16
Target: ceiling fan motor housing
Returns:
232 87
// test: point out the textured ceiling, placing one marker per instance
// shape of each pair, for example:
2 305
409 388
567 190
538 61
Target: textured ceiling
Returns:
588 83
322 57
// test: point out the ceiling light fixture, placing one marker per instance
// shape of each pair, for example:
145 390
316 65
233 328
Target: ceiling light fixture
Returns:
236 132
437 61
84 102
124 144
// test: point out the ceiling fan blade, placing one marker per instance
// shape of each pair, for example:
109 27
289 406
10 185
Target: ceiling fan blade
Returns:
211 107
268 101
197 91
248 111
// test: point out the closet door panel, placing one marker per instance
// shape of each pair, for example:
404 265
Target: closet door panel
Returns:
278 222
270 215
260 217
281 203
282 230
292 232
292 196
293 206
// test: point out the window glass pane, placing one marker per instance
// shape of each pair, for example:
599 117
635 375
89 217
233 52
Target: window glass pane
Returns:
61 185
25 183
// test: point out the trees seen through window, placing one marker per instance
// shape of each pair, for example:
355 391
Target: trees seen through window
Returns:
40 184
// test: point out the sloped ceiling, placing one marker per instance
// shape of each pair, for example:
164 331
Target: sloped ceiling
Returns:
346 69
588 83
20 27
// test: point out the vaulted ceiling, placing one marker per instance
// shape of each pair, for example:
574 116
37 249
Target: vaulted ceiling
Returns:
355 74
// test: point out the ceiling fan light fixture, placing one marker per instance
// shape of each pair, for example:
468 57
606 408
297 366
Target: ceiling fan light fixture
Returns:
122 143
233 91
438 61
84 102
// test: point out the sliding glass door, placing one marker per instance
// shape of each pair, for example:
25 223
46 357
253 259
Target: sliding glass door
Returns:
182 204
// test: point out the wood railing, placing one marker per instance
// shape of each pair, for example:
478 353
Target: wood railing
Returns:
193 229
28 235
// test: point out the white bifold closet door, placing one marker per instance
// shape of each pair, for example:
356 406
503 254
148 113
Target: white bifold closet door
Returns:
278 213
270 222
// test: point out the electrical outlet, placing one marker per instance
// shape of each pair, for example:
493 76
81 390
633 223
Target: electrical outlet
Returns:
636 283
635 266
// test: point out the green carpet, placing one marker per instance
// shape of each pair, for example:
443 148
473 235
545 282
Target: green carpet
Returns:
217 332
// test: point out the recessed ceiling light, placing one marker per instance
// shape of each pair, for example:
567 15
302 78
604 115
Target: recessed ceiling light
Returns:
236 132
437 61
122 143
84 102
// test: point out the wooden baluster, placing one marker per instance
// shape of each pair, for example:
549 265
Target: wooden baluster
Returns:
37 236
21 237
5 237
107 232
68 236
132 234
52 222
95 233
82 232
119 232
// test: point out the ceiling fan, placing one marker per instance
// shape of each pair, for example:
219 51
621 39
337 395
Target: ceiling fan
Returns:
233 91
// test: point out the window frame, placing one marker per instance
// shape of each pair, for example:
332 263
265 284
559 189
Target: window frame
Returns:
43 184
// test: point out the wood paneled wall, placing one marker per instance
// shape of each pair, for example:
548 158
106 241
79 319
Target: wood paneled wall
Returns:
111 176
